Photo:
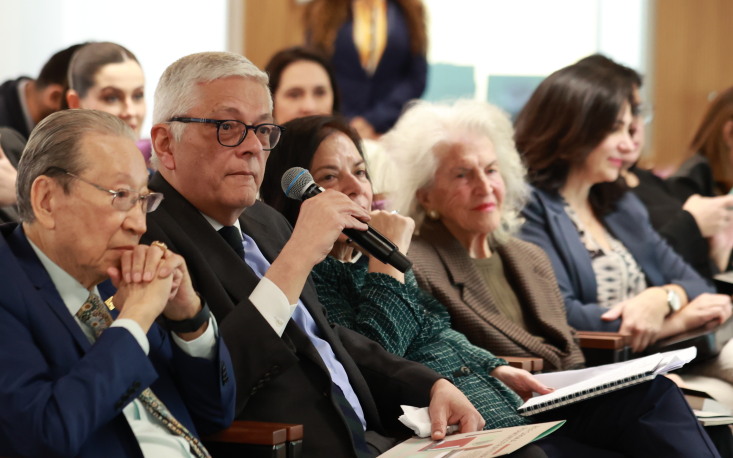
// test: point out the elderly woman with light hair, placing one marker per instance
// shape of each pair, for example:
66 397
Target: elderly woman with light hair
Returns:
465 199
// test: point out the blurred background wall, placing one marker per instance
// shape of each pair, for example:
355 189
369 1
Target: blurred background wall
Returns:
496 50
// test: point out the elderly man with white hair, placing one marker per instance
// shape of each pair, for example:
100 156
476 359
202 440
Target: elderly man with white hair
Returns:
77 379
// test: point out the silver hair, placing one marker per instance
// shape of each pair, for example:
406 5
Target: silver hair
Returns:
55 142
427 128
174 95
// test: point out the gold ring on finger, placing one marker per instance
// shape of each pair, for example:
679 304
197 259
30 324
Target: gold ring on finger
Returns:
160 245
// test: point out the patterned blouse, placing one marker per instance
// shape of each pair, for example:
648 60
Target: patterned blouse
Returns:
410 323
617 273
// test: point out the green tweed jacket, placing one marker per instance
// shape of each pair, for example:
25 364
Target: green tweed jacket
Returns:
412 324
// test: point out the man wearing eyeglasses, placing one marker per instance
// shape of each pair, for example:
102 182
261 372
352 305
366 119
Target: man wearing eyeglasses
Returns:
77 379
212 135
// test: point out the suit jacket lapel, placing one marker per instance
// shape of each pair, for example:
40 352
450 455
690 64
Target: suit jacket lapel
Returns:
42 283
476 295
462 272
258 230
570 248
234 274
626 230
224 262
529 282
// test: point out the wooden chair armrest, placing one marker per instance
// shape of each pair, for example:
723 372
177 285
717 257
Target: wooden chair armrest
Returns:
530 363
603 340
604 347
258 433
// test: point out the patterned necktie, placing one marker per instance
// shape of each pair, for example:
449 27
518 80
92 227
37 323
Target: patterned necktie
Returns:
233 236
95 315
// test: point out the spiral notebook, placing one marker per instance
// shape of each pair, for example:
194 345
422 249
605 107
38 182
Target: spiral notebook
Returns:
575 386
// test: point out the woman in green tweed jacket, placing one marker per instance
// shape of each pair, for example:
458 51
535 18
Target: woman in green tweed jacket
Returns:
378 301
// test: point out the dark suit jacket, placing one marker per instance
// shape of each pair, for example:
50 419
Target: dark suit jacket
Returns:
547 225
11 111
444 269
695 176
283 378
677 226
62 396
399 77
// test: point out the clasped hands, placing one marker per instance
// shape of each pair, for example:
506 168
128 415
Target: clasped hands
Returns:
151 280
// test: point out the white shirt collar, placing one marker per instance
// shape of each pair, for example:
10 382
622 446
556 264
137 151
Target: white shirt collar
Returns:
217 225
71 291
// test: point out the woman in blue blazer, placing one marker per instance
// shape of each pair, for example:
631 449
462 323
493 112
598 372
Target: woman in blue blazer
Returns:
614 270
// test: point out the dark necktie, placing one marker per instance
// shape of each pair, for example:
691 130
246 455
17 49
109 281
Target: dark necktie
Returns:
353 422
233 236
95 315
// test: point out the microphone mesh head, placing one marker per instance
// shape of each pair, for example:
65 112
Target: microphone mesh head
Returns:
295 181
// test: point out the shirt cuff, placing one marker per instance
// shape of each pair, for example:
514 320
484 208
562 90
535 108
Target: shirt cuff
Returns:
135 329
203 346
272 304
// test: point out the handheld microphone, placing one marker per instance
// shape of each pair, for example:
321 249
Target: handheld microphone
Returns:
298 184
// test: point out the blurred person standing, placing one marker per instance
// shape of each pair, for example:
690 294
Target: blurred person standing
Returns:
378 50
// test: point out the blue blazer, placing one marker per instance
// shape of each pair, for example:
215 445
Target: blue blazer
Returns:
62 396
400 75
547 225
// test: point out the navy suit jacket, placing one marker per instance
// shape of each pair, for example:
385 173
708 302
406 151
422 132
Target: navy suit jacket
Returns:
60 395
399 77
547 225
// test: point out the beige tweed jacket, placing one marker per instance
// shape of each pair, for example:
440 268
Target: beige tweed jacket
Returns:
444 269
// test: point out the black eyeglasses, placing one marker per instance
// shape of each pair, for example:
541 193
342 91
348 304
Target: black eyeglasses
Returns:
231 133
122 199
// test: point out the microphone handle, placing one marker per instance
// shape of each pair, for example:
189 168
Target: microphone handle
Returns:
371 240
380 247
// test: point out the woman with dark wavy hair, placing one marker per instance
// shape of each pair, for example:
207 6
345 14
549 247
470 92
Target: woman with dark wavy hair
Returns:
614 270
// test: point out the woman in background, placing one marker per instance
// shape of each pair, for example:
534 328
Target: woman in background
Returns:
378 50
107 77
302 83
708 171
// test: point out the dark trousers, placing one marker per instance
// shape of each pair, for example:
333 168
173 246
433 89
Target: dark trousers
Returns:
649 419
